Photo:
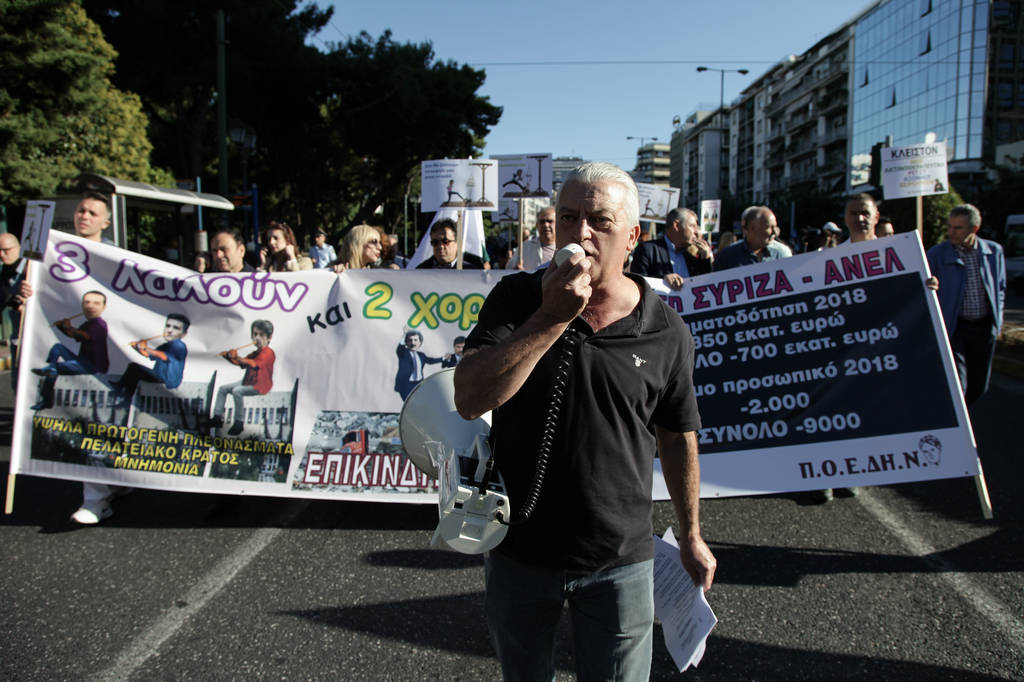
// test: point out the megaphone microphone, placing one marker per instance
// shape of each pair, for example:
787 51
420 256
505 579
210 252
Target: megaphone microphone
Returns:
472 502
566 252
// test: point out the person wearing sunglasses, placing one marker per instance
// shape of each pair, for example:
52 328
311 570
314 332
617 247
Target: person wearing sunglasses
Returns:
446 249
359 249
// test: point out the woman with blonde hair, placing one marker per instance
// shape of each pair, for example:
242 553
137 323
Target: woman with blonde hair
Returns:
280 252
359 249
726 239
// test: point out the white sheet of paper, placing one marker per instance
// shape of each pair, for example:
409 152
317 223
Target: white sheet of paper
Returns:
685 615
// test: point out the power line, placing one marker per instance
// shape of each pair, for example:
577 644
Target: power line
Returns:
657 62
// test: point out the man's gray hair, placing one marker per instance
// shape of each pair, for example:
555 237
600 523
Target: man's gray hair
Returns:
751 213
544 208
680 214
969 210
596 171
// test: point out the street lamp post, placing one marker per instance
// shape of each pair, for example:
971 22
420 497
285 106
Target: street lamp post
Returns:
639 151
642 139
721 90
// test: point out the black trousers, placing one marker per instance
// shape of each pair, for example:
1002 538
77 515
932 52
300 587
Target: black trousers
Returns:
973 344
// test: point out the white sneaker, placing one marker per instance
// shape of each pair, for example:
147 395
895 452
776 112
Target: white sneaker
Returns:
90 516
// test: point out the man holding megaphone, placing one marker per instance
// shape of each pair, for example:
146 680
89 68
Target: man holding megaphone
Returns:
576 361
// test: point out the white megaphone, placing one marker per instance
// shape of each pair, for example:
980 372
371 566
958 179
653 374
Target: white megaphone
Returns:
472 503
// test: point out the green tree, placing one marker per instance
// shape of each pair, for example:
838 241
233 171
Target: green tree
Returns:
59 113
339 132
935 214
167 54
390 105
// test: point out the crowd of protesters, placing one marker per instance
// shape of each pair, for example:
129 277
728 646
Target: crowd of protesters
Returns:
967 272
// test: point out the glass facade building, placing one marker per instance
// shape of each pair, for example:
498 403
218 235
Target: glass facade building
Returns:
919 75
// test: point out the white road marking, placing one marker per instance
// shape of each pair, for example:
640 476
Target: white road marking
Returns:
146 645
1001 618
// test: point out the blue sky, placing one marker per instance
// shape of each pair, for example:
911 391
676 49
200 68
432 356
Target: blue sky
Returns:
588 108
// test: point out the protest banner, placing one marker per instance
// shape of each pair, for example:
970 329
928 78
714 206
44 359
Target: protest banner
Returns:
828 369
822 370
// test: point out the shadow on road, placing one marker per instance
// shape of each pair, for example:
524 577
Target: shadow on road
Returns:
786 566
49 502
994 418
455 625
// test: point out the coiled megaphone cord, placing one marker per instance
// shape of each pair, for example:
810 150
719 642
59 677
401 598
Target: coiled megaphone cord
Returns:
547 438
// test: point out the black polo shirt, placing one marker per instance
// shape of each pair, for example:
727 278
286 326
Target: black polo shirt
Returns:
594 510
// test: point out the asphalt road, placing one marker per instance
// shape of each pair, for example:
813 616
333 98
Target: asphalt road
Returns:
903 582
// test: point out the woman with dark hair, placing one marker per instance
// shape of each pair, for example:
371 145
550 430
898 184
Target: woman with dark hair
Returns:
280 252
389 257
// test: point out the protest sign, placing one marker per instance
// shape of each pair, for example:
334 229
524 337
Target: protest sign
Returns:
36 230
710 215
459 183
914 171
523 175
656 201
821 370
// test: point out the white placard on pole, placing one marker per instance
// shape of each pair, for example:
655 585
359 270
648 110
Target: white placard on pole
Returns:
915 171
656 201
459 183
36 229
710 215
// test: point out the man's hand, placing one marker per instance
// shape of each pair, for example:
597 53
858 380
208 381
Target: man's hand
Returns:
932 283
673 281
703 247
698 561
65 326
24 293
566 288
970 241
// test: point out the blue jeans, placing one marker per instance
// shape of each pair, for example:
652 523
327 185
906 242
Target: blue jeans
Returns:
72 363
612 616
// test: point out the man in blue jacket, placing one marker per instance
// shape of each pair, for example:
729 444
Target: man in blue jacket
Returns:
970 276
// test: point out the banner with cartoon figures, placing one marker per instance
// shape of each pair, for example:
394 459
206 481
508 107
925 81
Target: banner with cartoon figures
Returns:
817 369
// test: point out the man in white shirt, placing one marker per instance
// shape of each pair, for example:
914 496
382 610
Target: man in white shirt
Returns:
537 251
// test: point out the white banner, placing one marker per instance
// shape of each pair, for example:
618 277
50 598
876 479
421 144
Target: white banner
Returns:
308 400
